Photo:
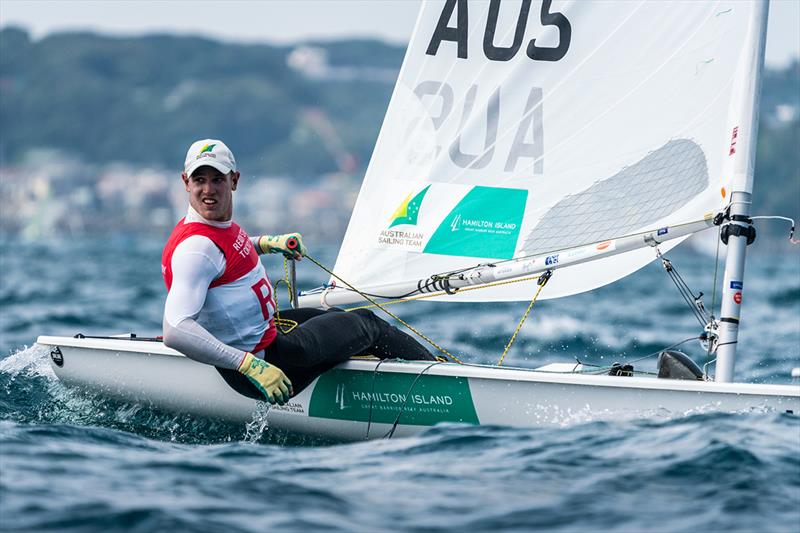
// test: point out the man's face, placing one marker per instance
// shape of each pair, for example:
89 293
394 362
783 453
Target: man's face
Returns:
211 192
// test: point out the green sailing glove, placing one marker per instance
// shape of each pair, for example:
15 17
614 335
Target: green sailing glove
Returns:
269 379
289 244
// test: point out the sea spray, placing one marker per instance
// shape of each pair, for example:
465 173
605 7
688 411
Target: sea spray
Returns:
254 430
30 393
32 361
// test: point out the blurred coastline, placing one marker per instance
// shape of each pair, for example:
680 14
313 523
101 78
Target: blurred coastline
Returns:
77 200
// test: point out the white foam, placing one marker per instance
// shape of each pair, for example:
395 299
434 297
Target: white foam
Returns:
32 361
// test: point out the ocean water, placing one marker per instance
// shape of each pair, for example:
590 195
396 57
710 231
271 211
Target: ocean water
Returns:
74 461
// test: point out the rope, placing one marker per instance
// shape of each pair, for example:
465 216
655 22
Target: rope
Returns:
716 270
372 394
787 219
694 302
382 308
442 293
284 324
543 279
670 347
287 278
390 433
711 347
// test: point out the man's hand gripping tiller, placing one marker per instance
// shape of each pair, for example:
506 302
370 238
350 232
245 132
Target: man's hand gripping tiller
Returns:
290 244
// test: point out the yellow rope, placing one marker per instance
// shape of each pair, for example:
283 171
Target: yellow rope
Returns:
289 289
542 282
284 324
382 308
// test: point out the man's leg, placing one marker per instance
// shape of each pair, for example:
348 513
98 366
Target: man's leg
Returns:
331 337
393 342
318 344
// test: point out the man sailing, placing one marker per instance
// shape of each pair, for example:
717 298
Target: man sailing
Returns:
220 305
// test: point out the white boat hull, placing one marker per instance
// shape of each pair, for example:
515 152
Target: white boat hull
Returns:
364 399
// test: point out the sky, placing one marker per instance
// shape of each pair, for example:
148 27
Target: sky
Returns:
282 21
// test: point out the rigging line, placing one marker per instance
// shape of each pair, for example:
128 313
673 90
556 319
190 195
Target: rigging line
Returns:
596 370
726 343
382 308
543 279
712 323
705 369
287 278
683 289
688 298
693 301
372 394
716 272
284 324
403 299
634 372
776 217
374 295
457 271
390 433
670 347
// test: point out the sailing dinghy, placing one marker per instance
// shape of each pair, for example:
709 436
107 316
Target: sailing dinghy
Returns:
526 142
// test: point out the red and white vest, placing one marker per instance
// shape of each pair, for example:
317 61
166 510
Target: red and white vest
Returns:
239 306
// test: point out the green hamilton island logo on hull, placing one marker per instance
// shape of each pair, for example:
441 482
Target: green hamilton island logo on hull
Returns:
485 223
379 397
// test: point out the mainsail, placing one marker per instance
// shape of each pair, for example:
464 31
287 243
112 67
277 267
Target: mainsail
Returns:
525 128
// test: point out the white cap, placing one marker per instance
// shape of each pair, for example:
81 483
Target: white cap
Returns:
211 152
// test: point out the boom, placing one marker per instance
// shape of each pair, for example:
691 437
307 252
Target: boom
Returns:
486 274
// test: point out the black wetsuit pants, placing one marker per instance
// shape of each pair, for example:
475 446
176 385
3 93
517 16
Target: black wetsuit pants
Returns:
323 339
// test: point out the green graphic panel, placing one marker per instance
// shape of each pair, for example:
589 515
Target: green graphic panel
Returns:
381 396
485 223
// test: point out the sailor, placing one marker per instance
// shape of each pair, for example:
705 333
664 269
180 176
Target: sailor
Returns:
220 307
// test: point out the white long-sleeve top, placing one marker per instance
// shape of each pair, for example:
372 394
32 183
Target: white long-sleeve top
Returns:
214 325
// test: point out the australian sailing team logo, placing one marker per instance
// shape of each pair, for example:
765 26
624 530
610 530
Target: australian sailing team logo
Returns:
406 214
408 210
206 151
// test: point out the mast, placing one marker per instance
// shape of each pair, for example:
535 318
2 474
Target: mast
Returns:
738 231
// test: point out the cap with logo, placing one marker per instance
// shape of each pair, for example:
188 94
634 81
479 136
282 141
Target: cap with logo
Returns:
209 152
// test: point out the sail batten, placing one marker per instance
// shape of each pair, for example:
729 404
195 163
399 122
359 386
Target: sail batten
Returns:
521 127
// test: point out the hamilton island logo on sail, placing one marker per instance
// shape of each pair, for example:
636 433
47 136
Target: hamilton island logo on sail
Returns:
406 214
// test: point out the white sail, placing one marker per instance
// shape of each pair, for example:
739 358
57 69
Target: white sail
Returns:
523 128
